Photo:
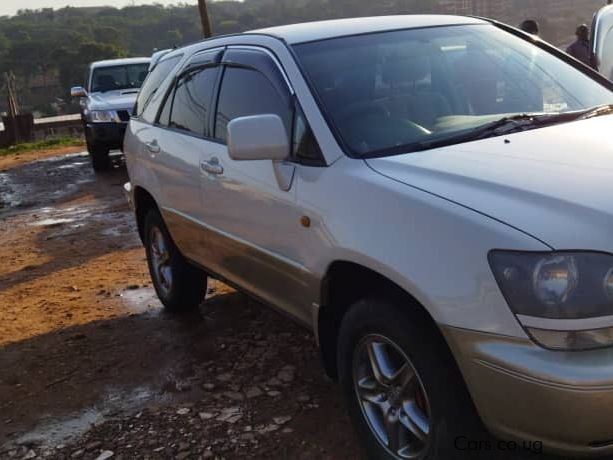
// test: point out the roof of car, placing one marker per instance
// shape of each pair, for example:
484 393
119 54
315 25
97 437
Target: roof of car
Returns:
321 30
125 61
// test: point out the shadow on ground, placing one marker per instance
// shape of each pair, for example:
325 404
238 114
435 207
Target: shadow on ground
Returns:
232 355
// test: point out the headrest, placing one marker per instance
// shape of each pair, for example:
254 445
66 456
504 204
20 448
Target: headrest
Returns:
399 69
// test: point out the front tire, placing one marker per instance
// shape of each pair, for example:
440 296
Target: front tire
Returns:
402 387
179 285
100 156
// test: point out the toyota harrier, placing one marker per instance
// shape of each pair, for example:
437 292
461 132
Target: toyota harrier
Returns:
431 195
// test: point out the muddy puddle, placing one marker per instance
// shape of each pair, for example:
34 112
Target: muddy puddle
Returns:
28 185
91 363
141 300
52 432
48 180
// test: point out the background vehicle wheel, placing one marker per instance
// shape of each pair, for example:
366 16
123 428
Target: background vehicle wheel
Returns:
101 161
179 285
90 148
403 390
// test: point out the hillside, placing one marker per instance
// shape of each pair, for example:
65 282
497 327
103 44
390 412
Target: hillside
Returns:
49 49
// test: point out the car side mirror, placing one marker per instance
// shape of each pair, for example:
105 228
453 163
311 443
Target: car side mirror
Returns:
78 91
259 137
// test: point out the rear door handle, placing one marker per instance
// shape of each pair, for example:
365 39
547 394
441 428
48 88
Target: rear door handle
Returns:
153 147
212 166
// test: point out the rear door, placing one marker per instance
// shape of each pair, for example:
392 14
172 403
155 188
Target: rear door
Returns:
602 41
253 223
176 149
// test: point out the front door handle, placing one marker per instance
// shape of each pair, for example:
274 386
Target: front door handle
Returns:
153 147
212 166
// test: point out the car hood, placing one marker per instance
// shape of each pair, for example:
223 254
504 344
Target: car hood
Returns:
113 100
554 183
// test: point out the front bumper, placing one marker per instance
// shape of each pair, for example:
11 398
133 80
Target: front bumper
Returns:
526 393
108 134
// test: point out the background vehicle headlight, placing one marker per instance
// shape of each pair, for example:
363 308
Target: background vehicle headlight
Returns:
103 116
564 300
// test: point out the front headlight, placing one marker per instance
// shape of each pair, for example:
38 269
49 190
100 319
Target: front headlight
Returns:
104 116
564 300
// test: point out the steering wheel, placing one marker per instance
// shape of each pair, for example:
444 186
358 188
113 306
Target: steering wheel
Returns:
370 126
360 109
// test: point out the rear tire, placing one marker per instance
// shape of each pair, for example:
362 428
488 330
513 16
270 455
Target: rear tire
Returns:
101 160
179 285
416 406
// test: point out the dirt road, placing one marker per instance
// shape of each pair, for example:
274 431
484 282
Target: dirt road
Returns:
92 368
89 362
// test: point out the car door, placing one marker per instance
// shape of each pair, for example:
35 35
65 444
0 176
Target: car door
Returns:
177 147
602 40
253 223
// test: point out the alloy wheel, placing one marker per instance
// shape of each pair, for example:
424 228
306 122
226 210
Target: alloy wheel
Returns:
392 397
160 260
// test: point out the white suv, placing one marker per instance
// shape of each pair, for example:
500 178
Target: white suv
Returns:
107 102
431 195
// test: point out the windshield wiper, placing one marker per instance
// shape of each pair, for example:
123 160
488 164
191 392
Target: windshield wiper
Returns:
501 127
506 125
518 123
597 111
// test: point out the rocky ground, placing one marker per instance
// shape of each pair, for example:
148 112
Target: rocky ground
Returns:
91 367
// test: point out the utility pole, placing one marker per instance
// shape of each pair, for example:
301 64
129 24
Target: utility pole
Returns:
18 126
204 18
11 92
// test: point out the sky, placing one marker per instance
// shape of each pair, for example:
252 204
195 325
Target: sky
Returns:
10 7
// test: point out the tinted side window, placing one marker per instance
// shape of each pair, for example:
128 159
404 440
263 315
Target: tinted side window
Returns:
246 92
192 101
153 82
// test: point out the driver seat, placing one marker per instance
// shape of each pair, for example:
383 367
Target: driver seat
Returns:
106 83
418 103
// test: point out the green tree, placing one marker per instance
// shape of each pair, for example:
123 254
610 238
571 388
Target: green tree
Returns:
72 64
172 38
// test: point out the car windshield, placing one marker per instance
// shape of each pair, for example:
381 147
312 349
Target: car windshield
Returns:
118 77
410 90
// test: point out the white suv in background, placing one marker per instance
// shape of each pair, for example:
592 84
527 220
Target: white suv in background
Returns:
431 195
107 102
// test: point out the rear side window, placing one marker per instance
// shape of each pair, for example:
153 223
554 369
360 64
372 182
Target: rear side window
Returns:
153 82
245 92
191 101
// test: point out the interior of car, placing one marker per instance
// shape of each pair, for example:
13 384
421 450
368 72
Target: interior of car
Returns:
119 77
383 92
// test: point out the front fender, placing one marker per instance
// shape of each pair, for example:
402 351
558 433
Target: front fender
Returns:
433 249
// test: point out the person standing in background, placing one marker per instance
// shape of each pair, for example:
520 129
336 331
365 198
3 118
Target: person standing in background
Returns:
530 26
580 49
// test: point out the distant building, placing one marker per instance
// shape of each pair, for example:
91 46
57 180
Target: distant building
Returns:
558 18
496 9
455 6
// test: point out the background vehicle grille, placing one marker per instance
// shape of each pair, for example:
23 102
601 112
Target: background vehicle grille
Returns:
123 115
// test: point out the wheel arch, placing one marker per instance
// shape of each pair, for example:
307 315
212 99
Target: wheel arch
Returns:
345 283
143 202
